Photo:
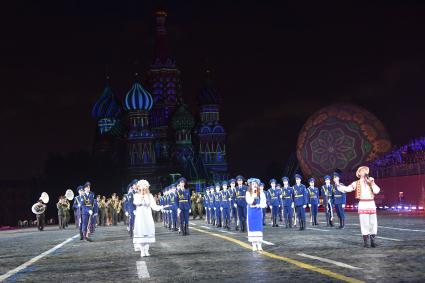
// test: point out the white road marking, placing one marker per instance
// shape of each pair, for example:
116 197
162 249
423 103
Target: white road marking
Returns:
385 238
337 263
401 229
142 270
318 229
268 243
206 227
193 223
35 259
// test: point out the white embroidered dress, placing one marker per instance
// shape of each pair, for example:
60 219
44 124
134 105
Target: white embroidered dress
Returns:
144 226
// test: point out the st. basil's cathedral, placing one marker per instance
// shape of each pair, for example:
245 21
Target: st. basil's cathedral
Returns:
151 133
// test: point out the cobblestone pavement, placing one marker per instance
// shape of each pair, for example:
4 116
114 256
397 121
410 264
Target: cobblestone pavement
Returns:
209 254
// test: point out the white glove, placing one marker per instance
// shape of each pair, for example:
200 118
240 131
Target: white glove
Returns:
257 206
235 205
134 212
279 205
90 212
95 214
221 209
126 213
178 210
79 205
230 199
309 205
190 210
304 206
215 208
209 208
292 205
343 206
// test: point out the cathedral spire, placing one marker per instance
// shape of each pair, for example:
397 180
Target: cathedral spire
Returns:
162 52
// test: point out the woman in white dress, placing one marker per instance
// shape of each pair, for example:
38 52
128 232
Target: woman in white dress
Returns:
144 226
256 201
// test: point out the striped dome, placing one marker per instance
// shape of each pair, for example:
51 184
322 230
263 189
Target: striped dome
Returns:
107 106
137 98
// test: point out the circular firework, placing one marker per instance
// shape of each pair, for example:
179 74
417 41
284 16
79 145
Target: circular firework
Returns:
340 136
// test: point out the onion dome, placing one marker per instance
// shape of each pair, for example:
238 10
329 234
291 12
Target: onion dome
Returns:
209 94
138 98
182 119
108 106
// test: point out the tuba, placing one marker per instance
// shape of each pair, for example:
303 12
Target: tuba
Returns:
44 197
69 194
39 209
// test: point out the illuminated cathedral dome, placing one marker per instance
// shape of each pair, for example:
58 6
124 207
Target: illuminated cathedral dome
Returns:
340 136
183 119
138 98
107 106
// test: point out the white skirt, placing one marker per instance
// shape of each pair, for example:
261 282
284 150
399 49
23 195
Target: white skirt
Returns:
144 226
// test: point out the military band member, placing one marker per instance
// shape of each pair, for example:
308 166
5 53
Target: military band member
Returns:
61 212
207 205
67 213
339 201
174 205
94 216
275 202
103 211
41 217
327 196
233 203
130 207
77 206
300 200
365 189
184 206
225 205
86 211
200 205
280 213
193 201
313 201
287 202
212 205
241 202
217 203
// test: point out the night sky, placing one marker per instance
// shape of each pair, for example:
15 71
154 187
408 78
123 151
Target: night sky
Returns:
274 63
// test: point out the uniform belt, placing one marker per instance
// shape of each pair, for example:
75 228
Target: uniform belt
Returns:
241 197
287 197
274 198
224 200
87 205
297 196
184 200
337 196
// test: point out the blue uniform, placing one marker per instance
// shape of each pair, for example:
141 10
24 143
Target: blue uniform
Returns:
130 208
275 202
174 205
184 206
77 211
313 201
207 207
225 205
287 202
217 202
266 193
300 200
212 206
241 203
327 193
94 216
339 198
233 207
279 189
87 206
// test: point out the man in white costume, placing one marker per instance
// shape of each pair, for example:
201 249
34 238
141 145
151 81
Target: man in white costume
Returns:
144 226
366 189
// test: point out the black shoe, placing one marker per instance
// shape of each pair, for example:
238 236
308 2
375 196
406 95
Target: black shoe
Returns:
81 236
372 241
365 244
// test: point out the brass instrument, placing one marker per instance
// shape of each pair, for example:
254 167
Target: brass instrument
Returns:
38 208
69 194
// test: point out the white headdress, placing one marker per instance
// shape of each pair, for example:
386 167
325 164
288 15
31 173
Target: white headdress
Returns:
143 184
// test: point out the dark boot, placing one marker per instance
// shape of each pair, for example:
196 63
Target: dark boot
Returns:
331 223
237 227
328 221
343 223
187 229
290 223
301 224
372 241
365 237
81 236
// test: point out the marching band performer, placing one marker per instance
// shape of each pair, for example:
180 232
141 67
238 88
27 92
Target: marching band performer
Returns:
40 206
184 206
233 203
241 202
130 208
77 206
275 201
225 205
256 201
86 211
327 193
300 200
217 203
313 201
267 198
365 189
144 226
287 202
339 201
